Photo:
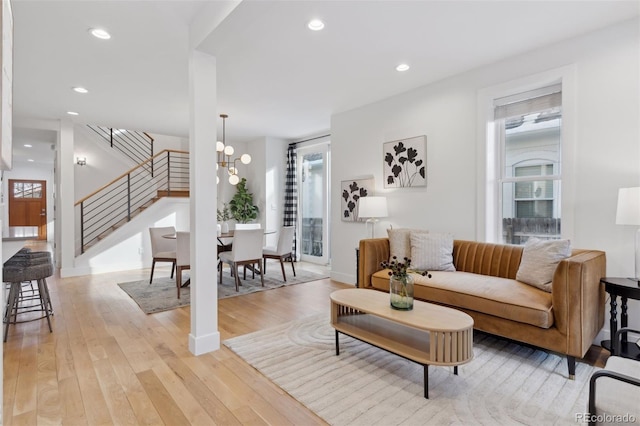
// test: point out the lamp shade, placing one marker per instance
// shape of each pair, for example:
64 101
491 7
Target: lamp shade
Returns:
372 207
628 212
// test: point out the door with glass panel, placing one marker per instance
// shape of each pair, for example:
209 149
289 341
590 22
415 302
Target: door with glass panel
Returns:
313 211
28 208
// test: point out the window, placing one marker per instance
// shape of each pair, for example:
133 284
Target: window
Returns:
528 132
27 190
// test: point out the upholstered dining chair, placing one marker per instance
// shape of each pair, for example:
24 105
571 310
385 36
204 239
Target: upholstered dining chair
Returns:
248 226
614 392
162 249
283 251
246 250
183 256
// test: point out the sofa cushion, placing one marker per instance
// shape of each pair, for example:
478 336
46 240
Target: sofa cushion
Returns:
539 261
500 297
432 252
400 242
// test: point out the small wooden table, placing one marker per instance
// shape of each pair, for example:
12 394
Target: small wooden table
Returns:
625 288
429 334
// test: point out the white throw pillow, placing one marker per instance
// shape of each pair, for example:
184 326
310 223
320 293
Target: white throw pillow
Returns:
400 242
539 261
432 252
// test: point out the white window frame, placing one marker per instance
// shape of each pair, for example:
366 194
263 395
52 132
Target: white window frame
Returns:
488 208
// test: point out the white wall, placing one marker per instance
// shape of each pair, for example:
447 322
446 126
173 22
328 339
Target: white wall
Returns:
607 151
275 173
35 171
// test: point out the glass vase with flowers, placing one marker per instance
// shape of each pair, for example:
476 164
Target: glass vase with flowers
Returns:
401 282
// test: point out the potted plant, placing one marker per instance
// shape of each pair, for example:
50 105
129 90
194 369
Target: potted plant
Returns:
223 217
241 205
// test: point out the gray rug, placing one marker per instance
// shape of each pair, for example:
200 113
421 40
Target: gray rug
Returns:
505 383
161 295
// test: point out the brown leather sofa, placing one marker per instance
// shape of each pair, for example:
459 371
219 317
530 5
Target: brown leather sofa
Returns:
484 286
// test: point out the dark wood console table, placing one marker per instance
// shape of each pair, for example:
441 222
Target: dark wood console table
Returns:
624 288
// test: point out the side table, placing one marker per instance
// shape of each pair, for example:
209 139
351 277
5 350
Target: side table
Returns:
624 288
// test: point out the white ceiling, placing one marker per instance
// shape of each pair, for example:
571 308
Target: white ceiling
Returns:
275 77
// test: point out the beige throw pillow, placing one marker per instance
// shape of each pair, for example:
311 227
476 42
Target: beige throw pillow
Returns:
539 261
432 252
400 243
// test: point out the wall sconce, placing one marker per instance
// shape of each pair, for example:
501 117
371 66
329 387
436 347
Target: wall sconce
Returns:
81 161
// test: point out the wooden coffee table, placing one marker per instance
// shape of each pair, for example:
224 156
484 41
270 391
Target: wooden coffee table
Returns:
429 334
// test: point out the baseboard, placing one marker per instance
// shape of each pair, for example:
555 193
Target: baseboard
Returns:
204 344
343 278
90 270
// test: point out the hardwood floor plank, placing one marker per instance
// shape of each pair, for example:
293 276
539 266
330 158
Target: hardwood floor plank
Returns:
115 397
27 384
162 400
71 405
48 399
141 405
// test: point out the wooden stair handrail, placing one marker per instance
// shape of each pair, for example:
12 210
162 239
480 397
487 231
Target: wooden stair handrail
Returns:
149 136
128 172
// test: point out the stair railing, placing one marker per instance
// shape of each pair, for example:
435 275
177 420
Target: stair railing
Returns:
138 146
120 200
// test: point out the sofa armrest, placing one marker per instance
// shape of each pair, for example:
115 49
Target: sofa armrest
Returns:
372 253
578 299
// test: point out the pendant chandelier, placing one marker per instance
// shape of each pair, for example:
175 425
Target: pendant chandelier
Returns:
224 157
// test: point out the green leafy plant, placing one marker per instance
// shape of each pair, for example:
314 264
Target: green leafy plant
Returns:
241 205
224 214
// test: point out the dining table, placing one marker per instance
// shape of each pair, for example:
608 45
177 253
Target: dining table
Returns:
224 247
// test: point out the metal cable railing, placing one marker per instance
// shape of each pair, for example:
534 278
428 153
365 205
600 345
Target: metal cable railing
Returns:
121 199
138 146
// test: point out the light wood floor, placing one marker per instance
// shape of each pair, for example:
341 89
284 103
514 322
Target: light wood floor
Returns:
106 362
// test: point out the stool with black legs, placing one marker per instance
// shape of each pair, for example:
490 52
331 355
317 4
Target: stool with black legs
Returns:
27 268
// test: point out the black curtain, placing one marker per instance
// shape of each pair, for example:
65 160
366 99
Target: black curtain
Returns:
291 195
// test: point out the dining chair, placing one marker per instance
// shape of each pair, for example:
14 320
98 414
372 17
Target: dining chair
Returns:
248 226
183 256
247 250
162 249
283 251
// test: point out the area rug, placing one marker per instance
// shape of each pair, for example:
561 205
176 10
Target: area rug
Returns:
505 383
161 295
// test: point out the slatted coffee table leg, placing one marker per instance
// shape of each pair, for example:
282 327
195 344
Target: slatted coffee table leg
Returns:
337 344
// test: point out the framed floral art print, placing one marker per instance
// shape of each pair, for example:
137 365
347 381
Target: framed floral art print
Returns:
351 192
405 162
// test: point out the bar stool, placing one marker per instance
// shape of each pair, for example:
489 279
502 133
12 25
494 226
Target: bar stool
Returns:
27 257
20 269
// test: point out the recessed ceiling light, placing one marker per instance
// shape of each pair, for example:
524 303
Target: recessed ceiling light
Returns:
72 113
100 33
30 160
80 90
315 25
402 67
28 145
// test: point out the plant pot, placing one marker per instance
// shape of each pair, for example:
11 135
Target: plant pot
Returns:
225 227
401 292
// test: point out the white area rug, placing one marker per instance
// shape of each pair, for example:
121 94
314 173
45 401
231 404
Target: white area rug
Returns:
505 383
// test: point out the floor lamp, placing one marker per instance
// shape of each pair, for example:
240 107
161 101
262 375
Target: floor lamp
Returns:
372 208
628 213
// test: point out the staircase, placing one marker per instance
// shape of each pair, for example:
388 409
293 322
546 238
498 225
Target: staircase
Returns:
137 146
165 174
